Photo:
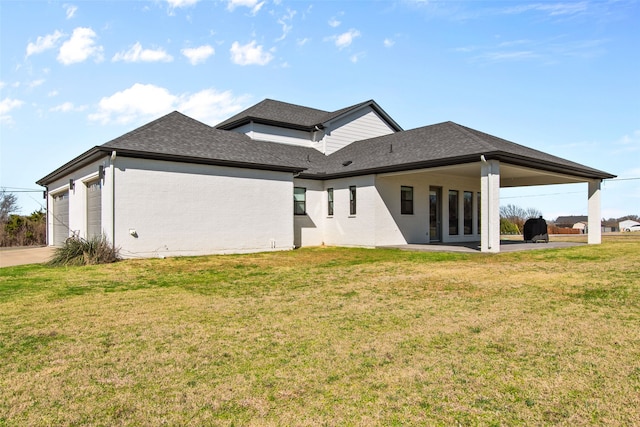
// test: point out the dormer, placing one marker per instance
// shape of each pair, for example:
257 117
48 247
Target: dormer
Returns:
325 131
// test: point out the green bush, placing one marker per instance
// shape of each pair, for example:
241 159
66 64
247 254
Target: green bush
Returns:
508 227
78 251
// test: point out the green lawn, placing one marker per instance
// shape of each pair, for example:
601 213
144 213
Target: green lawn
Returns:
327 336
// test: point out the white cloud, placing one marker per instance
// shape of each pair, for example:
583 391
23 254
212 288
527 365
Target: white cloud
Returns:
553 9
144 102
388 43
53 93
333 22
133 103
2 84
198 55
285 21
254 5
181 3
302 42
210 106
249 54
36 83
629 143
66 107
138 54
80 47
9 104
70 10
345 39
6 105
44 43
356 57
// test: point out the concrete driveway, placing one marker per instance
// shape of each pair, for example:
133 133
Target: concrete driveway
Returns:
20 256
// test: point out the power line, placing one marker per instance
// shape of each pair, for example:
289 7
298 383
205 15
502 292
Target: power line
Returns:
622 179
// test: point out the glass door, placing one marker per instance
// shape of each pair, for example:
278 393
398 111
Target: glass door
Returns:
435 214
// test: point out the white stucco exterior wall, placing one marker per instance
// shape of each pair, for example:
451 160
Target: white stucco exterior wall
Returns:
344 229
309 228
393 227
186 209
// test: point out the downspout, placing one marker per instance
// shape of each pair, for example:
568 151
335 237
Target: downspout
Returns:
113 199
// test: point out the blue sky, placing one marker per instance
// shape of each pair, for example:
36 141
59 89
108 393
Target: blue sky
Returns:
558 76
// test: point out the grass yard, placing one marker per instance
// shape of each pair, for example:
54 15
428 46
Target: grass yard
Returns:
327 336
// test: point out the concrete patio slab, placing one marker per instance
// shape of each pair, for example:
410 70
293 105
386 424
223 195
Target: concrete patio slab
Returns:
474 247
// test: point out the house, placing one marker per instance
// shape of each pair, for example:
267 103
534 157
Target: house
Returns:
572 221
278 176
581 223
626 224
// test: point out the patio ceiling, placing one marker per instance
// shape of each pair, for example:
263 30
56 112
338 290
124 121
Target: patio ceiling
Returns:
510 175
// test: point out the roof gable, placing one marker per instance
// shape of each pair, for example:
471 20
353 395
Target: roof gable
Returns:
293 116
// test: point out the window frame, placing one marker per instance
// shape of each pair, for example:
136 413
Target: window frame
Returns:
406 204
467 212
454 214
298 203
352 199
330 202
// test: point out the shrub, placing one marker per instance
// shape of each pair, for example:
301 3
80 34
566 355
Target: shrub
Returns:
78 251
508 227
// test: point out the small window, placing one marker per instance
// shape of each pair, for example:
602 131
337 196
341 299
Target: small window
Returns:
453 212
330 201
468 212
352 200
299 201
406 200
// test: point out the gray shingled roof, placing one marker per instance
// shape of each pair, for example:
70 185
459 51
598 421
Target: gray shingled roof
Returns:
180 136
293 116
438 145
176 137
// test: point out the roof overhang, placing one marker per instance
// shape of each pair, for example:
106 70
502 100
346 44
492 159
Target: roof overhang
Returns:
514 171
96 153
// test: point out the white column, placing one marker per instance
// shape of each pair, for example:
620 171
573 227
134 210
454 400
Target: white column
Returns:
594 224
490 206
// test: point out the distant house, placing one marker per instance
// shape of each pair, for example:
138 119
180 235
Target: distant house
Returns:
626 224
576 221
278 176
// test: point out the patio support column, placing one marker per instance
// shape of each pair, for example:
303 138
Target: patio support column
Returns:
594 224
490 206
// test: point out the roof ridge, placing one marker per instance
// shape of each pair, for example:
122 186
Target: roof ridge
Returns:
153 123
468 131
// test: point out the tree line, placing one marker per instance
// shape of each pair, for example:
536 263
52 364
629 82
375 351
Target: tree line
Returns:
20 230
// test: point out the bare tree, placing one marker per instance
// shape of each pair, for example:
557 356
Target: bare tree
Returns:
517 215
8 205
533 213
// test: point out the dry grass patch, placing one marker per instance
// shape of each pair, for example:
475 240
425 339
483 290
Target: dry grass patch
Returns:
327 336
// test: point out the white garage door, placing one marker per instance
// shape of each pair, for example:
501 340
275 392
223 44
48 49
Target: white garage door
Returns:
94 209
60 218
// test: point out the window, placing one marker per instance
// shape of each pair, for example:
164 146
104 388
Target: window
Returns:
478 207
352 200
329 201
468 212
406 200
299 201
453 212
